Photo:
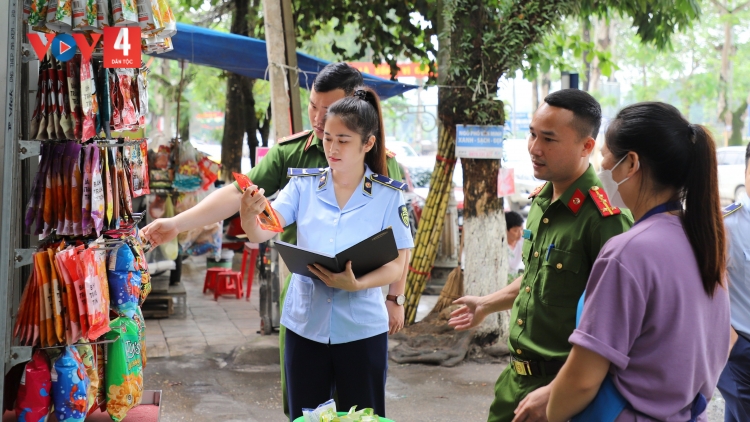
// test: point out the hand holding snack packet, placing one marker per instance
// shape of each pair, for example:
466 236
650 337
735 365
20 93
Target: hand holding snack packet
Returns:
268 220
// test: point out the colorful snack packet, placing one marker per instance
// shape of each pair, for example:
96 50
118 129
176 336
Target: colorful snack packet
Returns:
105 105
70 386
54 131
40 100
86 222
46 324
20 328
57 303
34 393
98 309
143 160
37 189
268 219
76 188
108 190
97 192
125 190
128 114
70 262
123 366
85 15
67 121
74 95
71 305
124 13
149 17
88 358
100 350
114 181
49 212
88 100
102 15
58 183
59 16
124 279
67 163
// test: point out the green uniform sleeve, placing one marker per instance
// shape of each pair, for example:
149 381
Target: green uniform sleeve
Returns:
270 171
607 228
394 170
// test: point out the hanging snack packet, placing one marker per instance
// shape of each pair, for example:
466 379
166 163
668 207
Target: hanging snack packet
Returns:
70 386
49 212
57 303
124 13
97 191
125 191
20 328
98 309
40 101
47 324
37 188
123 366
59 16
88 358
64 297
72 301
89 20
114 181
102 15
101 268
149 17
268 219
38 15
70 261
41 132
67 121
58 183
34 399
108 189
167 18
86 222
67 162
116 101
143 160
105 105
54 131
74 95
88 100
76 188
124 279
101 393
128 115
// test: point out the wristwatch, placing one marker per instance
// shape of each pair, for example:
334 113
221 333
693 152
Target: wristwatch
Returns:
400 299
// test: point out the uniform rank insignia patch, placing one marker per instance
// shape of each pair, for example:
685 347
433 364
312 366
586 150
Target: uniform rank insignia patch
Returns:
404 214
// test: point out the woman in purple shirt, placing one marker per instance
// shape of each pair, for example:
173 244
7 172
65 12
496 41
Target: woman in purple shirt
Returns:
654 332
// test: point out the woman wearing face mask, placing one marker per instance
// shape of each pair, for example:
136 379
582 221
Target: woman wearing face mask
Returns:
653 334
337 325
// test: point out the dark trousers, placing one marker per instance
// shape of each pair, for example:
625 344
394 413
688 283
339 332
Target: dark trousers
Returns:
734 383
355 370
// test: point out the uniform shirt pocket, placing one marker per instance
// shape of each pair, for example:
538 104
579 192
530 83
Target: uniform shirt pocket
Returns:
562 283
366 307
298 302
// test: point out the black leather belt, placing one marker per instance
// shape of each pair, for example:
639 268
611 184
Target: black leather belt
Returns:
535 368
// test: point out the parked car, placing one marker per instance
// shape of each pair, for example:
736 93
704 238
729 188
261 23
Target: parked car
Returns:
731 168
417 173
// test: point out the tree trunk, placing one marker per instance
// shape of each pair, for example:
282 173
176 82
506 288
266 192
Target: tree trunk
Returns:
603 42
587 64
265 129
251 119
738 124
546 85
534 94
725 112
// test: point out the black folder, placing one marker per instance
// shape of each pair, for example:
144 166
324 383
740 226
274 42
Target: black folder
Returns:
366 256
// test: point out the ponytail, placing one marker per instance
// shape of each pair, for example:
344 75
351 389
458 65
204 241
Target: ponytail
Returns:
362 113
702 219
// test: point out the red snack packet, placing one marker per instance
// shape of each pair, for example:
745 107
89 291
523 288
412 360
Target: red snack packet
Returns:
88 100
268 219
34 393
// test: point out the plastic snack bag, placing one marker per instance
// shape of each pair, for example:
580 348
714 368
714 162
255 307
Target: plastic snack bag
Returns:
96 305
69 262
124 13
67 120
88 358
74 95
73 313
41 263
70 386
90 107
57 310
124 279
149 17
268 219
123 366
102 15
86 222
97 192
33 402
59 16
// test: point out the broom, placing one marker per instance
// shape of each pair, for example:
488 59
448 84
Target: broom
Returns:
454 286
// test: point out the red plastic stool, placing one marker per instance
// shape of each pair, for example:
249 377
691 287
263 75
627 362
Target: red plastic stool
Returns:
228 282
210 282
252 249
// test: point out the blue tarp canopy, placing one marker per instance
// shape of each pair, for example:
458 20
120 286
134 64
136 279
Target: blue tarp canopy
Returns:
247 56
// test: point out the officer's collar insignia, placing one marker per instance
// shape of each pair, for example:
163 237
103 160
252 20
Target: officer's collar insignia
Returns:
296 136
527 234
537 190
731 208
309 140
576 201
293 172
367 186
323 181
387 181
602 202
404 214
389 153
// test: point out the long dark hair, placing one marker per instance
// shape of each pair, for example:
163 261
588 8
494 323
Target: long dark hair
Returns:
675 153
362 114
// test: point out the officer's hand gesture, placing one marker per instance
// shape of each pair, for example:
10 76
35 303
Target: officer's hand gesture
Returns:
468 316
253 203
344 280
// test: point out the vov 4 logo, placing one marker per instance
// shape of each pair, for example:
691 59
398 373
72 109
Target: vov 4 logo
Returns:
122 46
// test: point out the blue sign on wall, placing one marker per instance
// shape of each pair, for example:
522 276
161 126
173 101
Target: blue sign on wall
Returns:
474 141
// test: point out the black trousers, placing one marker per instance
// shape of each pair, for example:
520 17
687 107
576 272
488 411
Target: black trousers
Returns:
734 383
355 370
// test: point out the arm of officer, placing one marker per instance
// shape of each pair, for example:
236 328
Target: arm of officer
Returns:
577 384
476 309
220 204
396 311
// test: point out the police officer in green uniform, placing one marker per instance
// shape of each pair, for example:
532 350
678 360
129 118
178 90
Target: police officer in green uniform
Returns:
569 221
301 150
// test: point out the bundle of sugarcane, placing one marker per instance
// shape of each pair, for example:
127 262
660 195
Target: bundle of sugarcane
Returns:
431 224
454 286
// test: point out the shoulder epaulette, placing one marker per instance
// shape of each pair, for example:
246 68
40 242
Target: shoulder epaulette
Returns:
389 153
304 135
295 172
602 202
731 208
537 190
387 181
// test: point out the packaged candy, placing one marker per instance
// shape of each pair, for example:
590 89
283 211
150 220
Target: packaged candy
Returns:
34 393
57 303
102 15
86 222
70 386
128 114
85 15
124 279
123 366
76 188
49 213
74 95
101 393
67 120
69 262
46 324
33 208
53 117
149 17
167 18
124 13
67 163
88 358
96 305
59 16
71 301
89 103
97 192
268 219
58 184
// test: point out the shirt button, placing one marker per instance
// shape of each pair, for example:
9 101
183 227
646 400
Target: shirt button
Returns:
559 266
331 240
536 254
335 220
520 322
329 300
546 221
519 351
528 289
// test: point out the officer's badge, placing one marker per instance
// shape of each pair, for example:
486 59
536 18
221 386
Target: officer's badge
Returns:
323 181
602 202
404 214
367 186
536 191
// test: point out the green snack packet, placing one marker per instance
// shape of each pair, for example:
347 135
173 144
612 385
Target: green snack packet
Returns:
89 362
123 368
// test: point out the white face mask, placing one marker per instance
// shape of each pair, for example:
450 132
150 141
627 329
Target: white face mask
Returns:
610 186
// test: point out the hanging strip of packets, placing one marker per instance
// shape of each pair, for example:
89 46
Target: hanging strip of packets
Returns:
86 189
81 99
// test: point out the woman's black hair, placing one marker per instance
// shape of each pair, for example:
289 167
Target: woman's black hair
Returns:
361 113
674 153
